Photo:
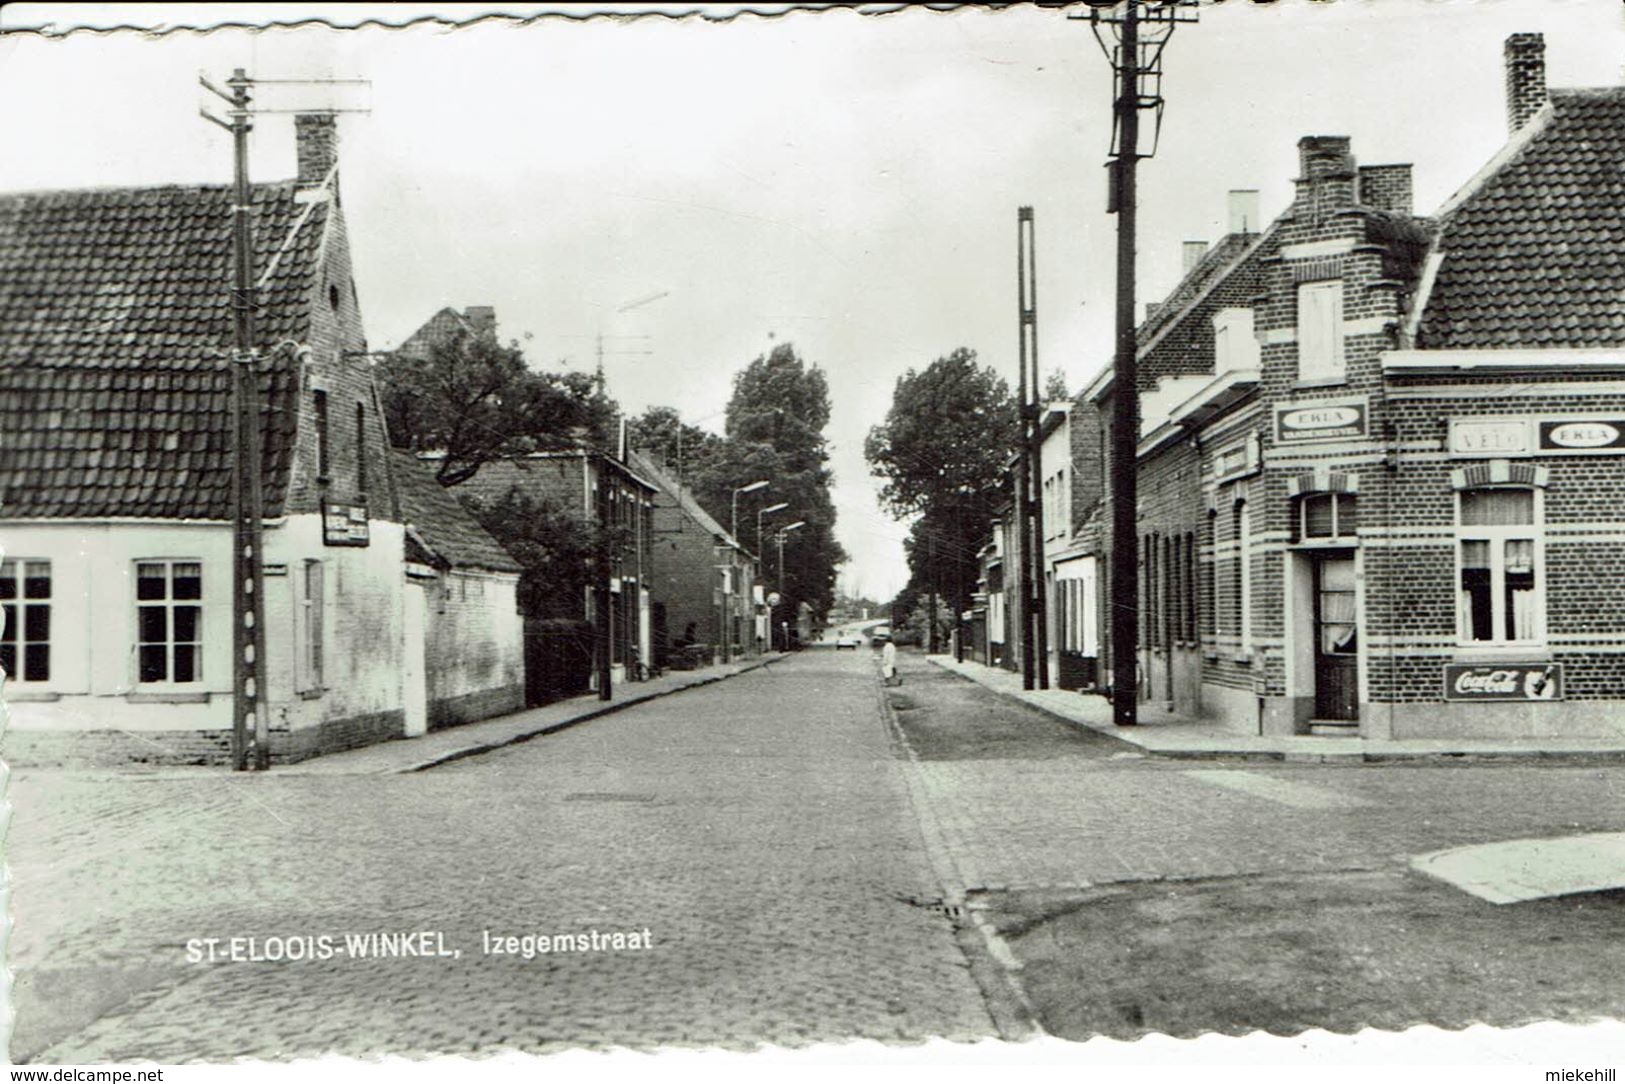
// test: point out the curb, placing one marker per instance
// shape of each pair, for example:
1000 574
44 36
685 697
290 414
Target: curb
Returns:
1303 756
609 708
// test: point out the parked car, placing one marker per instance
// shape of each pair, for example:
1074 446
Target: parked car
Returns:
850 639
880 634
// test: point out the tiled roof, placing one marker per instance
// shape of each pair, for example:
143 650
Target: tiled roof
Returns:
1535 256
651 470
115 326
442 522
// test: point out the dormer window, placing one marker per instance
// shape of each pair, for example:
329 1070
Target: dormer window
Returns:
1235 346
1320 331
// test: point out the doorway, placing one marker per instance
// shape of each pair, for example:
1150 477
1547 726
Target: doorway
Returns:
414 678
1337 685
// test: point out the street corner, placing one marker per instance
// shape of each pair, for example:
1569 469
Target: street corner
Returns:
1384 948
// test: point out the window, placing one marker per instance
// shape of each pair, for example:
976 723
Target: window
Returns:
1500 598
311 602
1320 330
169 621
360 448
1244 576
1210 588
25 596
1323 516
1235 346
322 461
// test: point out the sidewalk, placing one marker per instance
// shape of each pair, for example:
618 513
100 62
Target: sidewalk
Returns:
1162 734
470 739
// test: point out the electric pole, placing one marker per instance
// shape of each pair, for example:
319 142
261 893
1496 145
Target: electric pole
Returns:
250 714
1029 470
1133 41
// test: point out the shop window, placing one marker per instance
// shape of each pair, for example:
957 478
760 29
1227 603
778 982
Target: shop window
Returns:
1326 517
1192 599
25 640
169 621
1320 331
1500 600
1210 590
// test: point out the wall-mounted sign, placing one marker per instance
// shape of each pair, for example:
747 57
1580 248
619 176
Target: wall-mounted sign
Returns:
1582 435
1502 438
1300 424
1504 681
1490 437
344 525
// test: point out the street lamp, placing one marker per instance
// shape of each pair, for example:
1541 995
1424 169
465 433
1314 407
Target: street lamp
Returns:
733 523
781 506
796 526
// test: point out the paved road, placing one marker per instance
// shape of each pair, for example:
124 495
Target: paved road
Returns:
1139 894
759 829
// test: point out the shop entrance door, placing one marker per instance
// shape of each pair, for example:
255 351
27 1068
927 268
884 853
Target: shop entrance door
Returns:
1337 693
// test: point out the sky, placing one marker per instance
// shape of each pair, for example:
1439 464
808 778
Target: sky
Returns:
699 189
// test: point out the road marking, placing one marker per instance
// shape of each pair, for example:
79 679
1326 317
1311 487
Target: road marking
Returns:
1296 795
1531 869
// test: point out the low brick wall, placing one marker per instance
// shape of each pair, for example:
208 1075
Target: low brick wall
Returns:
472 707
109 748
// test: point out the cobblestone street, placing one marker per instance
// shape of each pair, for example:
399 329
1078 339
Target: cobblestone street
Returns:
1137 894
796 854
758 828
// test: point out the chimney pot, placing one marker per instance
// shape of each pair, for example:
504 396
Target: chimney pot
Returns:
1326 176
1244 210
317 138
1525 56
1192 252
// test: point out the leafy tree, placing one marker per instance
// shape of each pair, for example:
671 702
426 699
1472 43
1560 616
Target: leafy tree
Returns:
685 449
476 399
940 454
1055 387
555 545
775 423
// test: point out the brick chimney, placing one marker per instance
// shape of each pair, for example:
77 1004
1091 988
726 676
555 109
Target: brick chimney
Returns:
1387 188
1526 78
483 319
1326 175
317 136
1244 210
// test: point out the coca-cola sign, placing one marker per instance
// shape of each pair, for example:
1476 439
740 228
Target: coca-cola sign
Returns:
1504 681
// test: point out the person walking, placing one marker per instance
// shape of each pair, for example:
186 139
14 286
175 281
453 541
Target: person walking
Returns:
888 663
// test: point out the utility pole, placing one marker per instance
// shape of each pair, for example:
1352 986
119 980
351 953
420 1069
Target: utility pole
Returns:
250 715
1026 467
1136 59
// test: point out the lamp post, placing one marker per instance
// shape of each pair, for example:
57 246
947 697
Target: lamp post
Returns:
733 522
796 526
781 506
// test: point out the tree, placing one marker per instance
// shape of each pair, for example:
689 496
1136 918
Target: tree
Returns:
684 449
941 454
1055 387
475 399
775 423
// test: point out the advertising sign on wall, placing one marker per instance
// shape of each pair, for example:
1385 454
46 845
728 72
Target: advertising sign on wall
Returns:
344 525
1300 424
1504 681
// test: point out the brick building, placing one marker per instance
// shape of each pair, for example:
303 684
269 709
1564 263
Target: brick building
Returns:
115 466
701 577
605 494
1380 479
